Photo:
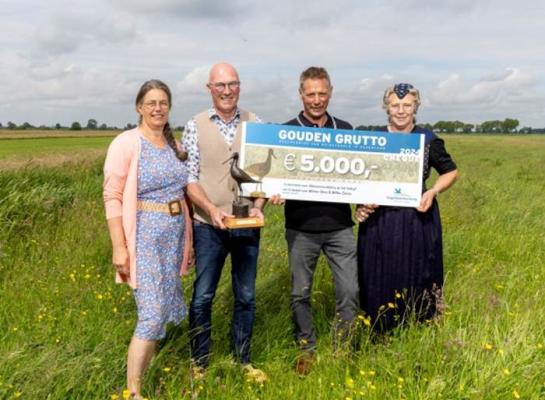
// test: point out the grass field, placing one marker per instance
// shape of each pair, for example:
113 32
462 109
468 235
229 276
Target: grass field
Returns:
35 148
65 325
50 133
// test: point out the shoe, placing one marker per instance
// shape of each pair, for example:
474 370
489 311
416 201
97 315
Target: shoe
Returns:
197 372
304 362
254 374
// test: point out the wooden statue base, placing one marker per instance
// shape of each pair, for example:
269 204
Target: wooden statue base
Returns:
257 195
237 223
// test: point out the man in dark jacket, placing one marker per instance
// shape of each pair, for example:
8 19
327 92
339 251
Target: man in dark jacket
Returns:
312 227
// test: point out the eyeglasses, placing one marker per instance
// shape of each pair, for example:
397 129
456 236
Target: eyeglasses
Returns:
150 105
220 86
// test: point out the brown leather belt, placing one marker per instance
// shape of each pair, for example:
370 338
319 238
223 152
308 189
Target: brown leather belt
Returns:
174 207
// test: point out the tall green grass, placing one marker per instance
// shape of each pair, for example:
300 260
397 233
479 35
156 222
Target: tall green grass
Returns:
65 325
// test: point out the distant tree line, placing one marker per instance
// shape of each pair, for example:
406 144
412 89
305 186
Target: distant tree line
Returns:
508 125
92 124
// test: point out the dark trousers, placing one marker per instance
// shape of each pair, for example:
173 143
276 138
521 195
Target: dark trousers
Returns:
304 249
211 248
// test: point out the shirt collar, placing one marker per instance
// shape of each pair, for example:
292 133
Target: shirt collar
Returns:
328 124
212 114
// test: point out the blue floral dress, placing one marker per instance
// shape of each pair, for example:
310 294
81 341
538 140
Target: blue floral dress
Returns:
159 243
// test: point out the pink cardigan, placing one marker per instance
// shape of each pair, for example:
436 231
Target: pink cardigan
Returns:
120 196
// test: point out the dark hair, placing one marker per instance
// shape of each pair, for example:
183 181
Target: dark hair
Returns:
313 73
167 131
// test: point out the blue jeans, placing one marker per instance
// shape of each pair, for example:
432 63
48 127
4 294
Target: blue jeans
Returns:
211 248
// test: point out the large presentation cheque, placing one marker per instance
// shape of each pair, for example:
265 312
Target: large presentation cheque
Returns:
334 165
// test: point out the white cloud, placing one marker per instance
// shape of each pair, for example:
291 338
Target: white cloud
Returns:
495 87
195 80
183 9
66 34
472 60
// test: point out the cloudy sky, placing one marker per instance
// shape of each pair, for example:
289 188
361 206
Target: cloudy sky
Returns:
473 60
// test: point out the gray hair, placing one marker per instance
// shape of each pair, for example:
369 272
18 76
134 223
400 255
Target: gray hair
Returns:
313 73
392 90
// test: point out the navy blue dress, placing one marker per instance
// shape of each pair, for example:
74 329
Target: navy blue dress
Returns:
400 254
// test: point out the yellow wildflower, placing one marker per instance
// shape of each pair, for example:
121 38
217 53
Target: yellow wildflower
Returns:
391 305
506 371
126 394
114 397
349 382
488 346
166 369
516 394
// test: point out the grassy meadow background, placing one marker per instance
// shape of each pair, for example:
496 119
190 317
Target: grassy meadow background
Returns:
65 325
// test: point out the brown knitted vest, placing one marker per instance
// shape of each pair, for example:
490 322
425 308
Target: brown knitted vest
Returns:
214 176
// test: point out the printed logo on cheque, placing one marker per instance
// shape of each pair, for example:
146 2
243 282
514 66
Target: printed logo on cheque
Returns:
399 196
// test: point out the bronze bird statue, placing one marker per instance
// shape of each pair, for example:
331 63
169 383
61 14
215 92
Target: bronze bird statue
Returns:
239 175
261 169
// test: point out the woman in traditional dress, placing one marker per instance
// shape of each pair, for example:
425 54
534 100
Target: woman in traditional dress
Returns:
144 178
400 253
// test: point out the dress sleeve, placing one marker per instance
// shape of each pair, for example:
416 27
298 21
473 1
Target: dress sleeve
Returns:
439 158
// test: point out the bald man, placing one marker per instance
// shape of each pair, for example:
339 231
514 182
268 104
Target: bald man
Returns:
210 138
